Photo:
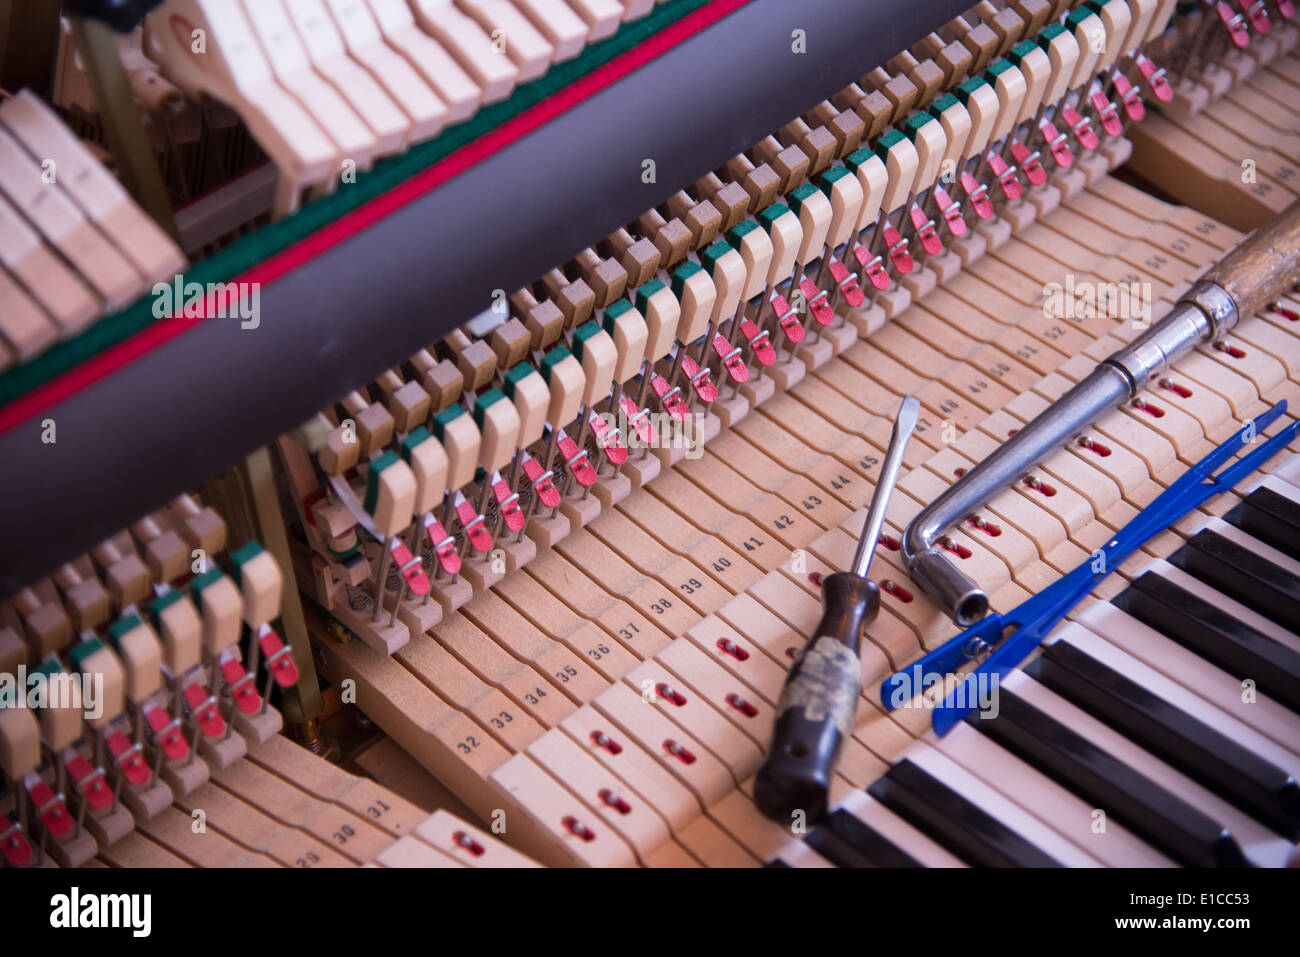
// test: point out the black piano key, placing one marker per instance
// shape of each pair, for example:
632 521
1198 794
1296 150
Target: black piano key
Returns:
1256 786
1241 574
1272 518
835 849
867 841
1214 634
945 816
1152 812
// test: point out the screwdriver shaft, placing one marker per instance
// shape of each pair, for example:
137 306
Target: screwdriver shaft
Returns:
903 428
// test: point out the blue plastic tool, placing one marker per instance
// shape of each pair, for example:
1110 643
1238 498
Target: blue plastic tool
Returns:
1008 639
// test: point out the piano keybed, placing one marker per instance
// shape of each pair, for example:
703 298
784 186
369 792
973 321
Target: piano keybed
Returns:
752 621
604 683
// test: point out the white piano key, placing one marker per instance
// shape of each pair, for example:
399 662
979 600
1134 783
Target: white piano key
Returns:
889 825
325 46
601 16
1261 845
1277 483
944 769
636 9
1289 471
1068 815
798 854
362 36
559 24
1130 647
1263 550
525 47
288 58
1229 605
493 72
1194 674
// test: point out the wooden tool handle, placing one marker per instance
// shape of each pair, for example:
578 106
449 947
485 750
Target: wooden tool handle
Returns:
818 704
1263 265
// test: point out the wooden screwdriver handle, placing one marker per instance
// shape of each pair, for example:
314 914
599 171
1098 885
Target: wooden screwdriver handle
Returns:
1263 265
818 706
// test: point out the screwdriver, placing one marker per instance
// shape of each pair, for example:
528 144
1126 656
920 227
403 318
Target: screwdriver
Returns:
819 702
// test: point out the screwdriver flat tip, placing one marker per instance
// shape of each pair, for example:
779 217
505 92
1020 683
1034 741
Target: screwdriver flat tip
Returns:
904 425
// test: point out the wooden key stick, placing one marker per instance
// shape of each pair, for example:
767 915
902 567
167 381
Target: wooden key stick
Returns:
324 45
233 69
49 210
92 187
25 328
289 62
365 28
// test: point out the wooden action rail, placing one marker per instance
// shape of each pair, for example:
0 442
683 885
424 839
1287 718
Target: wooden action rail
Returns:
177 631
835 126
820 223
